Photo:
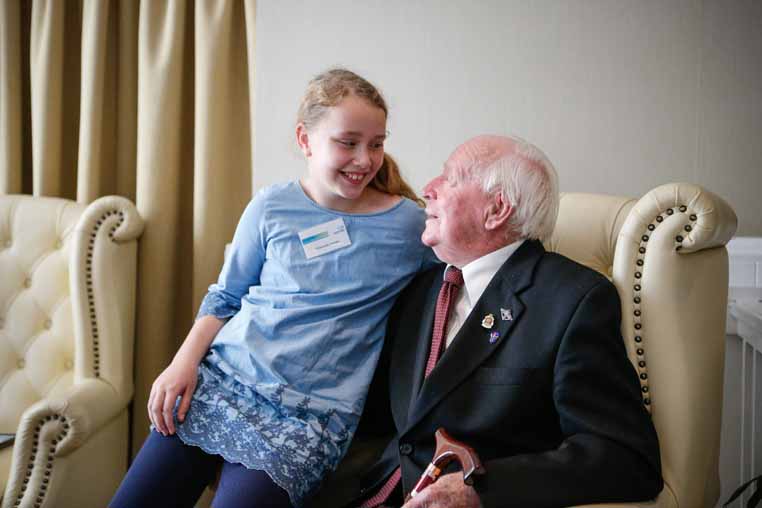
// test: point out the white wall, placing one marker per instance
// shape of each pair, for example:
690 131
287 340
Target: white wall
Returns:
622 95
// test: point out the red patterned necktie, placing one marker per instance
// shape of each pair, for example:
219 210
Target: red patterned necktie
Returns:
453 280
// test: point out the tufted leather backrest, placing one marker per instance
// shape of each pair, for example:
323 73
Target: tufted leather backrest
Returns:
587 229
67 292
36 325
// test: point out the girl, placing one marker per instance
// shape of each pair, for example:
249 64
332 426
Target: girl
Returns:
273 375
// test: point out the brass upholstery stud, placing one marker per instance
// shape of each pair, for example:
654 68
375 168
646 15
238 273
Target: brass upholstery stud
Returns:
639 262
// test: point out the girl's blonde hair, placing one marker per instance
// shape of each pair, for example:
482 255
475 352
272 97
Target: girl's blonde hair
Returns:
327 90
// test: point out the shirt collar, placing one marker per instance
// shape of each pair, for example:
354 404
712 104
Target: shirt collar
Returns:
478 273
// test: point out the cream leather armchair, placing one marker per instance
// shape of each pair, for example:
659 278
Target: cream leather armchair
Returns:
67 302
665 254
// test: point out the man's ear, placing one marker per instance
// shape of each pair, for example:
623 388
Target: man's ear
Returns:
303 139
498 212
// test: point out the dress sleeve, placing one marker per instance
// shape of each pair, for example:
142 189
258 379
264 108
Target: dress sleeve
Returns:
242 266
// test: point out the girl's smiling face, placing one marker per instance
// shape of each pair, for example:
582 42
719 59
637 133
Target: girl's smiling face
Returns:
344 152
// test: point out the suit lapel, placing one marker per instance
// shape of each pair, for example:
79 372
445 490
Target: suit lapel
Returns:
472 345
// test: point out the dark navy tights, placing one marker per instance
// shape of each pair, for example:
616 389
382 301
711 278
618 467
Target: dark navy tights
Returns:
167 473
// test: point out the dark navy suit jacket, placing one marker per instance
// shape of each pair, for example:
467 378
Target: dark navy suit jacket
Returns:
552 407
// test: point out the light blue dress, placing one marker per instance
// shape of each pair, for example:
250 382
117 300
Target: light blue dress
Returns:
283 385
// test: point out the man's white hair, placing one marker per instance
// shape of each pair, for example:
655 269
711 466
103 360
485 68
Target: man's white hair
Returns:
529 183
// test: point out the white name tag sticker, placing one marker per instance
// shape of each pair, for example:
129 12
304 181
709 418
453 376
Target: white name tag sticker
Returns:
324 238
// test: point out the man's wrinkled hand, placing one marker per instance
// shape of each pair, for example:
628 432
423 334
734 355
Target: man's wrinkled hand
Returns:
448 491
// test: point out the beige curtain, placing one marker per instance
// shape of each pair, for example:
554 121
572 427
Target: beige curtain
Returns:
152 100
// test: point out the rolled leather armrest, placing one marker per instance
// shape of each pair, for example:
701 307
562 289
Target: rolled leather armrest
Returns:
708 221
671 272
62 423
55 427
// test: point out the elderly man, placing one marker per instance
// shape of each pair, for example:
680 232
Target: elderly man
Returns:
513 350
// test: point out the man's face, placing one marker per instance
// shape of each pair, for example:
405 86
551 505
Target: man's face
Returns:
456 209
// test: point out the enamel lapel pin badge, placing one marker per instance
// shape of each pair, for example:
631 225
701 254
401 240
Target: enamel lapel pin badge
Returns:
488 322
506 314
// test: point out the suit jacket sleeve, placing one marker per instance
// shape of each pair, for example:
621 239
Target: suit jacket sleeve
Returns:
610 451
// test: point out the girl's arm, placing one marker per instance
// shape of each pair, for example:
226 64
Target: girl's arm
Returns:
180 377
240 271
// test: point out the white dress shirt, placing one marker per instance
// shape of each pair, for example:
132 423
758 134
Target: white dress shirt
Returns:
476 277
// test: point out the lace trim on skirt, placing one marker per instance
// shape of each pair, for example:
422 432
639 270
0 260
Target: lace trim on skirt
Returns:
297 448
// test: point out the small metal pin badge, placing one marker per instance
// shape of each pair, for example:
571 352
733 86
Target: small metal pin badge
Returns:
506 314
493 337
488 321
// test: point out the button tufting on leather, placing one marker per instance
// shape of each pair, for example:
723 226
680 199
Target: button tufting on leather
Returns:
59 244
48 324
68 364
20 363
28 282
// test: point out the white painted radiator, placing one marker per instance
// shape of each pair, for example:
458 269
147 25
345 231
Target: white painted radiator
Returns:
741 448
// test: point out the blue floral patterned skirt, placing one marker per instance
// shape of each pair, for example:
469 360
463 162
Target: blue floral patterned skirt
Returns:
296 447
